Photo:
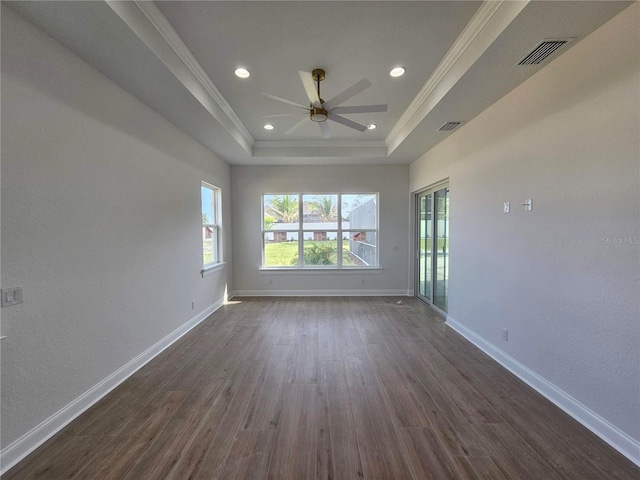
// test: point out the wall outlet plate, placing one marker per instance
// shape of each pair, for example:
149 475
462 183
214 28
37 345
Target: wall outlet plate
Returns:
507 207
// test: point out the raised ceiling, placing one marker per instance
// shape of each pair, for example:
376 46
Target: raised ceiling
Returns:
179 58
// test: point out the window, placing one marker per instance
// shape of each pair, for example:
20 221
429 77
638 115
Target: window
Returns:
320 230
211 214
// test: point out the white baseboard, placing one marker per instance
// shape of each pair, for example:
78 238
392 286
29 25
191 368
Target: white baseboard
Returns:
31 440
622 442
319 293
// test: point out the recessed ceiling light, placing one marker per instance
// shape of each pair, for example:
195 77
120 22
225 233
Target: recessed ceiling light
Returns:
371 126
397 71
242 72
268 126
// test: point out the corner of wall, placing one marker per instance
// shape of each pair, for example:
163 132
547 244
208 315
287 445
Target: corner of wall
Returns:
31 440
615 437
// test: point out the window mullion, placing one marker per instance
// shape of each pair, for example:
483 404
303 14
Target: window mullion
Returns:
300 232
339 225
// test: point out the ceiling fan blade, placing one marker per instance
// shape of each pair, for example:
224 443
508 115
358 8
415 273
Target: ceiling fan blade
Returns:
280 99
296 126
276 115
360 109
352 91
324 128
347 123
310 88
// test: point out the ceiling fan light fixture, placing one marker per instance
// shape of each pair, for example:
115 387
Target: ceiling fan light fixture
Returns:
242 72
397 71
318 114
320 111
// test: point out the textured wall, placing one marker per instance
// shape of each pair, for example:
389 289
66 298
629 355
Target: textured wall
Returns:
249 183
562 279
100 226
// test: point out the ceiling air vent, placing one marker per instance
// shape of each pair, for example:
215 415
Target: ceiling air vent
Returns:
449 126
543 51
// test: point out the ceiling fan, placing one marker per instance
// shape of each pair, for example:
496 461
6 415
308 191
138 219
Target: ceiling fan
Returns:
320 111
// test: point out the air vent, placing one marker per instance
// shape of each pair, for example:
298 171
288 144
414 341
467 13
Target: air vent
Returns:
449 126
543 51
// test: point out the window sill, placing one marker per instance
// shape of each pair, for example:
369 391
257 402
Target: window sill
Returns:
211 269
319 271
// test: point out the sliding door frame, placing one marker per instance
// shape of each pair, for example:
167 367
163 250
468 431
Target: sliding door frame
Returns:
418 255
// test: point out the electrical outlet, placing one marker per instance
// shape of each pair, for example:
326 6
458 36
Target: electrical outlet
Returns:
505 334
193 305
11 296
270 281
362 281
507 207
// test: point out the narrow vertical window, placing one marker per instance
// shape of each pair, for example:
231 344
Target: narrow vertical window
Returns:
211 214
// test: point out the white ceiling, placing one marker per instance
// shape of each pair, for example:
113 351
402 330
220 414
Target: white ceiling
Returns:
179 58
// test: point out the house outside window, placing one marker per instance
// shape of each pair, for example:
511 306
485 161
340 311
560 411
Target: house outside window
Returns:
320 230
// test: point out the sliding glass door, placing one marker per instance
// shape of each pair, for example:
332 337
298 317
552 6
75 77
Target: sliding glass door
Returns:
432 272
425 241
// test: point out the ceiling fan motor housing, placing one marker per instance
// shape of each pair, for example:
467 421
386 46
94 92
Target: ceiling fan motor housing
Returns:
318 114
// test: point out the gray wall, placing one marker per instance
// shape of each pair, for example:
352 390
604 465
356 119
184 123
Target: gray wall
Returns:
100 226
559 278
250 182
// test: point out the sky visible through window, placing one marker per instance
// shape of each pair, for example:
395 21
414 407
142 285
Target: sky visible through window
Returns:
207 205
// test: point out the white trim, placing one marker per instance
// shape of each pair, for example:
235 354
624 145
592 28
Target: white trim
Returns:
319 270
319 293
35 437
622 442
319 143
212 268
329 149
490 20
147 21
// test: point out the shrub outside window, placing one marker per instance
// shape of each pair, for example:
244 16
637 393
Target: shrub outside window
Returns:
320 230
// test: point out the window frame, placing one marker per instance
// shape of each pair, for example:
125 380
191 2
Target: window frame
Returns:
301 230
215 224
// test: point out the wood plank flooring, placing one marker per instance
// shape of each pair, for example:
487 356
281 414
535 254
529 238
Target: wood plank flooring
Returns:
323 388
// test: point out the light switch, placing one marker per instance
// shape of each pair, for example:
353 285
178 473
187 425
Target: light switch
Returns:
11 296
507 207
528 205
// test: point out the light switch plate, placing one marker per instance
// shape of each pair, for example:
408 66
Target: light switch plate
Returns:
507 207
11 296
528 205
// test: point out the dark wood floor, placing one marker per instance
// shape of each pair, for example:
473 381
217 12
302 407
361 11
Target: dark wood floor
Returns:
324 388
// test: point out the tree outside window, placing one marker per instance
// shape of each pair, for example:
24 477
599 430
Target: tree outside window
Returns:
302 230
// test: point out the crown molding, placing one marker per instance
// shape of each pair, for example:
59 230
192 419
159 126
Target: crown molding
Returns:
319 148
320 143
491 19
146 20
